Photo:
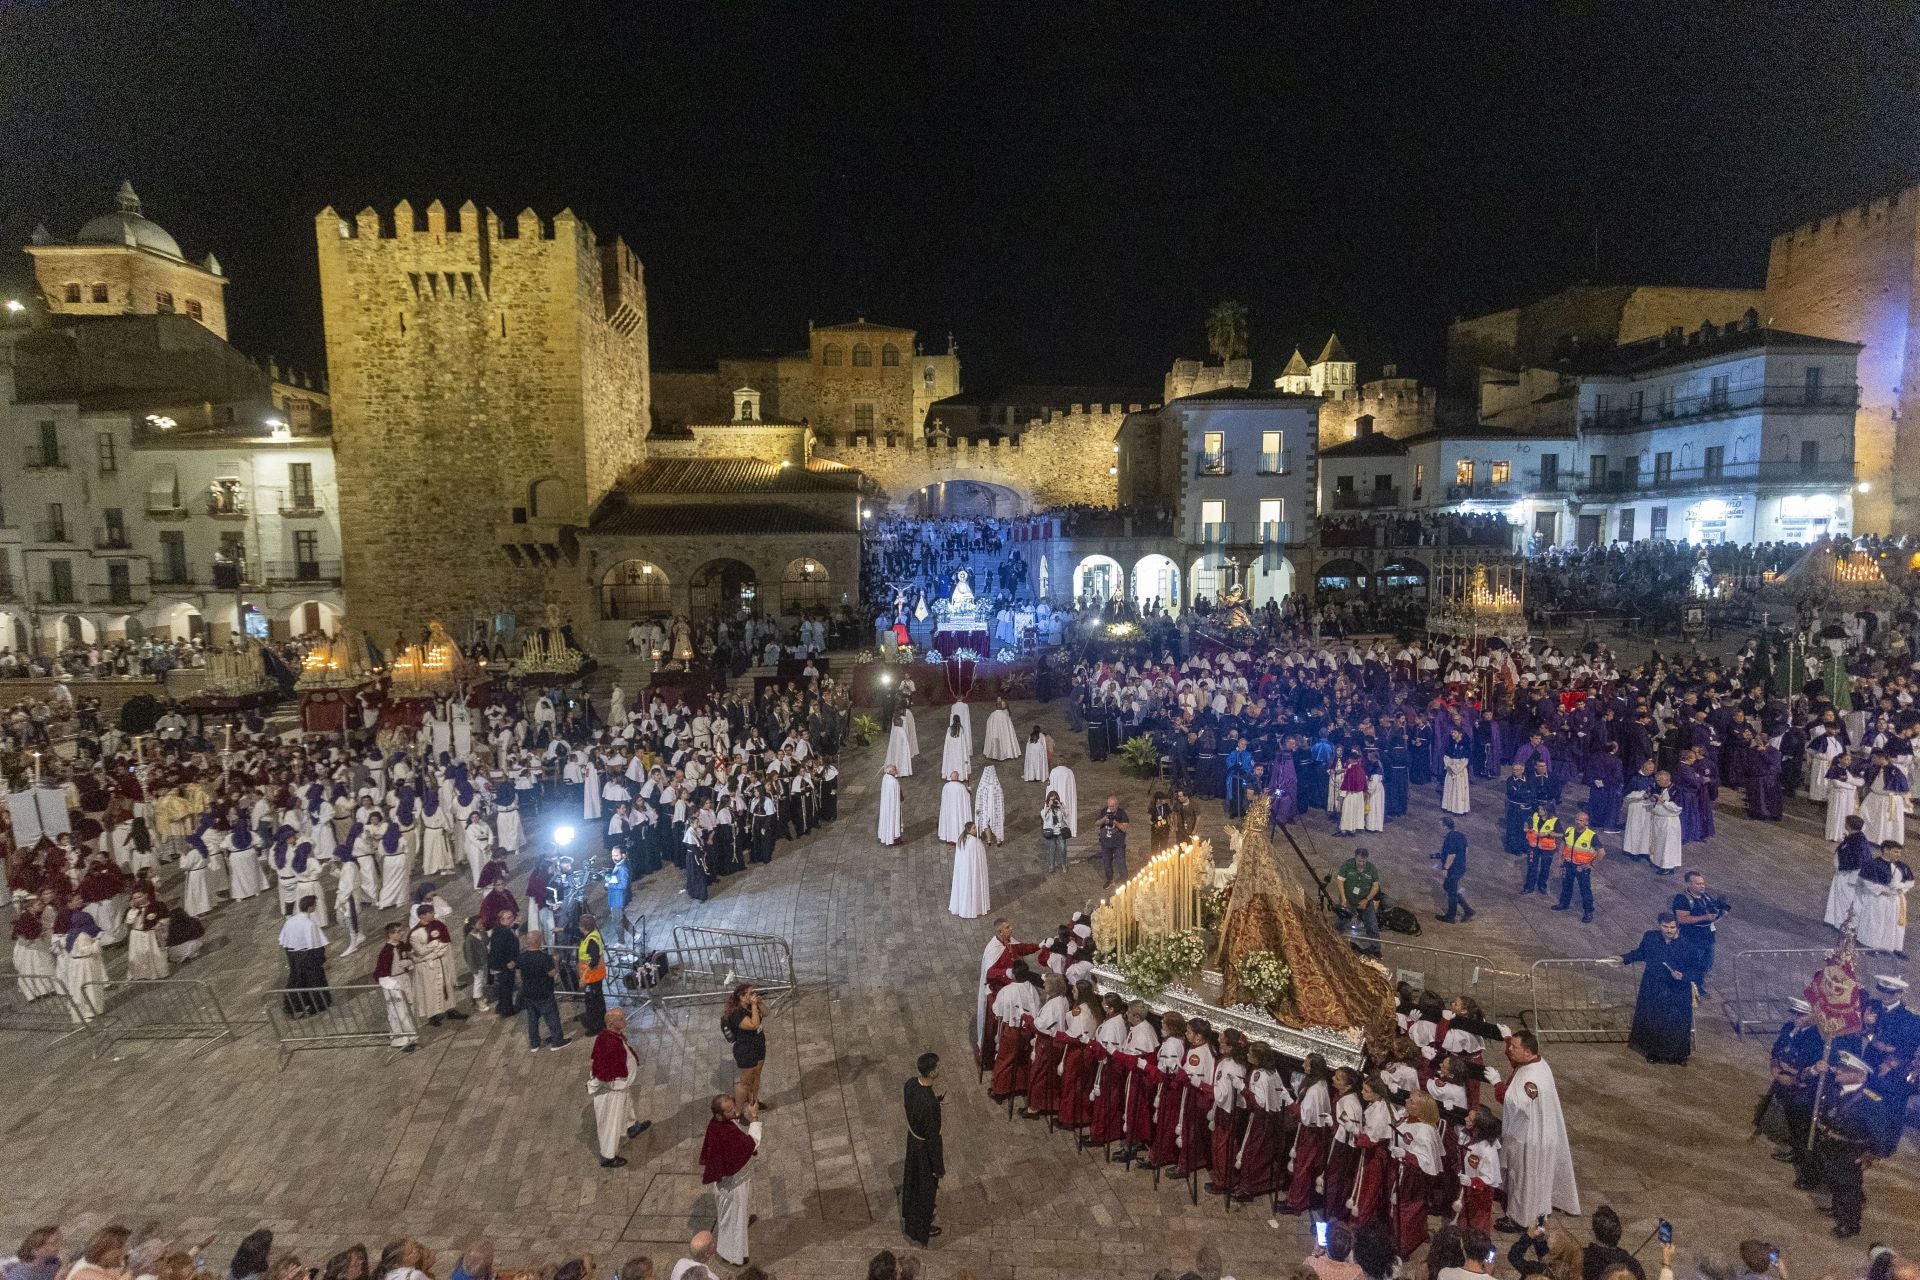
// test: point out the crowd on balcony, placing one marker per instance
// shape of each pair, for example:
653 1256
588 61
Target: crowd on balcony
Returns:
1417 529
1650 579
925 556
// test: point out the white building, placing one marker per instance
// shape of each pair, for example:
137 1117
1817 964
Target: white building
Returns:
151 457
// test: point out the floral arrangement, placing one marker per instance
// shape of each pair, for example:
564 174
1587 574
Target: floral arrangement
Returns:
965 655
1264 976
863 658
1007 654
1213 907
864 729
1151 967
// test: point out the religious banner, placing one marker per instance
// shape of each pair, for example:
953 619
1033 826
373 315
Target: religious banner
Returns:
1835 992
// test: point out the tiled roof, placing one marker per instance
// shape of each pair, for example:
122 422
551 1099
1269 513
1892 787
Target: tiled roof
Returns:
736 475
640 520
1248 393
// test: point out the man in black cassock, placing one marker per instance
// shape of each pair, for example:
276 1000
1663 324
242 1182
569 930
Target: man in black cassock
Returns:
926 1163
1663 1011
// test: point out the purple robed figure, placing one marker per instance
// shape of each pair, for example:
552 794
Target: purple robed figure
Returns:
1696 814
1286 789
1605 794
1763 784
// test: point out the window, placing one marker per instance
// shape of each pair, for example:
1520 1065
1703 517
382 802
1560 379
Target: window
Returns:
163 302
1809 454
1666 401
115 526
1713 461
890 356
1814 376
193 308
300 486
73 292
863 417
862 356
1273 511
60 581
1597 470
234 546
1637 405
1213 453
1501 472
119 582
99 293
1419 478
1602 407
1213 514
1272 449
173 555
109 458
49 443
56 522
306 554
1549 472
1463 472
1657 523
830 354
1662 472
1717 391
1630 474
926 378
1626 525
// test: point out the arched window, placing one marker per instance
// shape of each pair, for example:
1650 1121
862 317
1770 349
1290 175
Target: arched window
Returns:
862 356
99 293
890 356
830 354
73 291
927 377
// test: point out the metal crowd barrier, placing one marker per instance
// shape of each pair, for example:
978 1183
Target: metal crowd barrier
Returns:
1763 982
161 1009
1451 973
43 1007
340 1018
1581 999
703 967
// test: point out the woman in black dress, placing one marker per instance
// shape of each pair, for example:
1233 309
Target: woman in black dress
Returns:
741 1024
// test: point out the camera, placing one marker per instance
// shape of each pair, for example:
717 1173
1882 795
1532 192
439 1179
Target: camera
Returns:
1665 1232
1320 1234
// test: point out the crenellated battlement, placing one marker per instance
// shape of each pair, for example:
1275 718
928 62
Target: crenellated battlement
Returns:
468 222
1861 217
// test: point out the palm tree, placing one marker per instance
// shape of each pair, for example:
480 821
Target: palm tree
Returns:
1227 330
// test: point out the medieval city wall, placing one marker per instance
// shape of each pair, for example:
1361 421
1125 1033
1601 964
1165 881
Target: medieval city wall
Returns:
1069 459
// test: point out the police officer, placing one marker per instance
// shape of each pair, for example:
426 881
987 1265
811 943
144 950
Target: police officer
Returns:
1796 1053
1543 842
1845 1140
1580 851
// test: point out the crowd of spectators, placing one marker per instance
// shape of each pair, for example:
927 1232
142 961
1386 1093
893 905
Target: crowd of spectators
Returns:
1419 529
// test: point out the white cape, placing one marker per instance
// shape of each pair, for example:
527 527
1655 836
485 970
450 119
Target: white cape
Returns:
899 752
1061 780
1534 1153
1036 762
990 806
965 715
992 953
956 811
956 756
970 899
891 821
1001 743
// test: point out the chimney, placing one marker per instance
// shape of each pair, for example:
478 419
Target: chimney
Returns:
1363 426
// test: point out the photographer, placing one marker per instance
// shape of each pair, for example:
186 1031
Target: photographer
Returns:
1698 912
1053 831
1113 841
741 1025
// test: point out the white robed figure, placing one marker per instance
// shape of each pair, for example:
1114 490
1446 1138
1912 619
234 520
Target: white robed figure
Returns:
1820 758
198 899
956 751
964 714
990 808
436 836
1376 793
1001 742
1881 918
617 707
1060 781
432 970
956 810
726 1164
1636 838
243 864
989 956
611 1089
1843 893
1663 829
900 749
892 823
439 732
146 945
1883 805
1039 758
1534 1153
85 972
380 840
33 961
1843 795
462 730
511 835
1454 796
906 719
477 841
970 897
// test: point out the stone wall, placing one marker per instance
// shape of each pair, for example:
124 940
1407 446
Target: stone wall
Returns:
134 279
1851 276
1191 377
483 371
1399 407
1069 459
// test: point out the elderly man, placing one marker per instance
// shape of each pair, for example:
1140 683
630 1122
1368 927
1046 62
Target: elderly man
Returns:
726 1165
698 1265
614 1065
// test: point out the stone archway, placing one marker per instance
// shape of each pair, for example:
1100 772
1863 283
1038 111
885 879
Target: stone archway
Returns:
635 589
1405 575
1157 578
722 588
1342 577
1098 579
1207 576
964 498
805 585
311 616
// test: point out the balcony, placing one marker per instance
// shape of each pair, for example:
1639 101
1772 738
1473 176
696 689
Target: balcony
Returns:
40 458
1276 464
227 504
111 539
1273 533
123 594
1217 534
1677 479
169 581
1548 482
1214 464
1790 398
1480 491
165 506
285 571
9 591
52 531
1364 499
300 504
56 596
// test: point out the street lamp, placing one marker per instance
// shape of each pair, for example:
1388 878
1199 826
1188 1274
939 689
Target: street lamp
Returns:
15 306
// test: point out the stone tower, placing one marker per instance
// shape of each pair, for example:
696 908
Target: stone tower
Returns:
489 381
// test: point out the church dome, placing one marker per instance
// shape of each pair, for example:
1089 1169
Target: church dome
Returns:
126 226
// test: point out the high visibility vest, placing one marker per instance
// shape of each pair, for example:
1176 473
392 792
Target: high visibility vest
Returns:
591 970
1580 851
1543 833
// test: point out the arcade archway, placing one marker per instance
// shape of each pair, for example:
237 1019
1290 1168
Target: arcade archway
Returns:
1156 580
1405 575
1269 579
804 585
723 588
178 621
965 499
311 617
1342 576
1098 579
1207 577
635 589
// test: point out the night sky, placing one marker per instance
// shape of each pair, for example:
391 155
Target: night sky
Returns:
1066 187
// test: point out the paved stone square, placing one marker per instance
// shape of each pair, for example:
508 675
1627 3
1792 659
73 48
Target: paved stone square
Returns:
473 1134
